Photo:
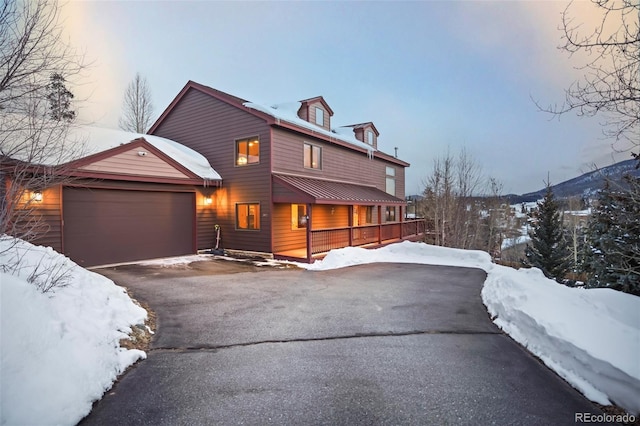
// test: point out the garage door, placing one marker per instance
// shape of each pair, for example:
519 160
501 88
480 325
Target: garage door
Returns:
108 226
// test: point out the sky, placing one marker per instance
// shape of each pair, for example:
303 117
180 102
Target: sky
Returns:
434 77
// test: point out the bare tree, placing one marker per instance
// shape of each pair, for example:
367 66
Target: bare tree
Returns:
449 200
610 86
32 146
494 219
439 198
468 181
137 106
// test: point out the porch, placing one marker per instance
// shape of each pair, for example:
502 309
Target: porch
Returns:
312 217
367 236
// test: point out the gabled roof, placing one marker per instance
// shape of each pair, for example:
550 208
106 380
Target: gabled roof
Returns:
98 142
306 102
76 146
364 126
318 191
281 115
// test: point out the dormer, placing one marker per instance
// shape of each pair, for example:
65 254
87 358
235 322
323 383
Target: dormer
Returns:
316 111
367 133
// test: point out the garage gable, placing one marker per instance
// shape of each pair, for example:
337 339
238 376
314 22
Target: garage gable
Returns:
135 161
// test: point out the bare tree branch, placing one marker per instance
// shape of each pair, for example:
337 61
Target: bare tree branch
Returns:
610 86
137 106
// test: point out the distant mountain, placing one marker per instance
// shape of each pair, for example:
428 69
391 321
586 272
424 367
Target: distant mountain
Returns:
585 185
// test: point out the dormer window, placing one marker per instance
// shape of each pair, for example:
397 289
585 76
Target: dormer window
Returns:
316 111
319 116
370 137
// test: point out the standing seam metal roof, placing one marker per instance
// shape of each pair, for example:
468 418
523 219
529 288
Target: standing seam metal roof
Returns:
326 192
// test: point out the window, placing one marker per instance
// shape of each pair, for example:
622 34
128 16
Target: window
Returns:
390 214
312 157
319 116
390 183
247 151
248 216
362 215
370 137
299 216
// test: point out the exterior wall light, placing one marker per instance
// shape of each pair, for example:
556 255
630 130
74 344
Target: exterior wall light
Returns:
207 201
36 196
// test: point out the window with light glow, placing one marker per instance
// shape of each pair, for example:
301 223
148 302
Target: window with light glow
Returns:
298 216
370 137
247 151
312 156
247 216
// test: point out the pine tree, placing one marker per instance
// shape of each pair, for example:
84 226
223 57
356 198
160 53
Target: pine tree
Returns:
59 99
548 249
613 239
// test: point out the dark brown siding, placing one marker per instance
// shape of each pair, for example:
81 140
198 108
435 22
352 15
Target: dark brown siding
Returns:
211 127
205 222
285 238
337 163
113 225
49 213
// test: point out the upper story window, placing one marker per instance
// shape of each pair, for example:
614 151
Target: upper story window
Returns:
319 116
369 137
312 156
390 182
247 151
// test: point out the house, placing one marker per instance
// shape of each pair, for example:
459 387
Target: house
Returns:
125 197
294 185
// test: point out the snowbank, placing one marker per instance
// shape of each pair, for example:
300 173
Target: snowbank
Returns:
591 338
59 350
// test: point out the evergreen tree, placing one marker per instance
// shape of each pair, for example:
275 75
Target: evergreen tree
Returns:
59 99
548 249
613 239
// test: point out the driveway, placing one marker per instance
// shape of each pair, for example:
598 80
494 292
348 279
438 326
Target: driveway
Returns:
370 344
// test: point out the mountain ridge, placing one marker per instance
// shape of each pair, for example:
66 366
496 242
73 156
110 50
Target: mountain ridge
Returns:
585 185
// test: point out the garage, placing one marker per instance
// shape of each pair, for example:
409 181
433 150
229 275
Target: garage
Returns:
103 226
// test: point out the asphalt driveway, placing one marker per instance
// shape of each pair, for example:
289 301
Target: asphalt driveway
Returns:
371 344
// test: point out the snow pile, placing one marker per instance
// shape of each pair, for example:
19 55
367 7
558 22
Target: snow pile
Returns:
591 338
60 349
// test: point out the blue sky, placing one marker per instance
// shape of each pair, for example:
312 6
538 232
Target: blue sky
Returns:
432 76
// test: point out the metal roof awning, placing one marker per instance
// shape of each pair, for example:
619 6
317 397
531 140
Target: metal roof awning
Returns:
296 189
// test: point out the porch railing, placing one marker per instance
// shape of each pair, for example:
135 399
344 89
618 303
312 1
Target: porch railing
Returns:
323 240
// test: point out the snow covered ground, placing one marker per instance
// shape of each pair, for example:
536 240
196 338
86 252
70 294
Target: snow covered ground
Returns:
59 350
591 338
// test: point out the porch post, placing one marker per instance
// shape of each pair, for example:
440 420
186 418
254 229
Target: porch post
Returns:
350 225
309 247
401 220
379 224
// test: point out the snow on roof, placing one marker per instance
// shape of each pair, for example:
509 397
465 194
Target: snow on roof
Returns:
55 144
97 139
289 112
